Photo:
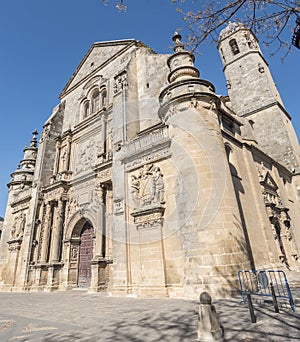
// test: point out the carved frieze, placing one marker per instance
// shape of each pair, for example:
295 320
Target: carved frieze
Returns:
14 245
104 175
147 148
20 204
151 157
149 218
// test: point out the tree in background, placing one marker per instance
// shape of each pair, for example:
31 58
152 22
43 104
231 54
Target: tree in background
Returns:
273 21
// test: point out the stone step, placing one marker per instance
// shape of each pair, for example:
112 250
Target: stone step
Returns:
81 289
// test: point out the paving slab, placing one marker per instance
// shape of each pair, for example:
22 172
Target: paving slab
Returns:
90 317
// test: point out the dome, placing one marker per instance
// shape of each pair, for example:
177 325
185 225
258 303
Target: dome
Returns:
231 27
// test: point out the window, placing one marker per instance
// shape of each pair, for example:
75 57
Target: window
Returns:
234 46
95 101
103 97
86 109
227 125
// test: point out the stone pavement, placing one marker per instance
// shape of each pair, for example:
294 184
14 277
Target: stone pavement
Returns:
89 317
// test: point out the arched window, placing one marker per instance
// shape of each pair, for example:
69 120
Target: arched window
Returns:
103 97
234 46
95 101
86 109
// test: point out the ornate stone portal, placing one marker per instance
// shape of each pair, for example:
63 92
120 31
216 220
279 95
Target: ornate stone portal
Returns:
279 219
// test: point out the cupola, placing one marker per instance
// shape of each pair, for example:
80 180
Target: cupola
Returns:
184 83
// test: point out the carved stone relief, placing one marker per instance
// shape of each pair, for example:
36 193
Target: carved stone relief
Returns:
104 175
279 219
18 227
147 186
147 190
120 82
119 206
63 159
74 252
85 156
96 199
72 207
45 133
149 218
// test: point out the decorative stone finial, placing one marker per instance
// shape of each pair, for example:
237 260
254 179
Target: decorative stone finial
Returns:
177 41
34 138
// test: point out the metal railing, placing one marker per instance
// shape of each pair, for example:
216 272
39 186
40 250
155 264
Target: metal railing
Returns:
265 283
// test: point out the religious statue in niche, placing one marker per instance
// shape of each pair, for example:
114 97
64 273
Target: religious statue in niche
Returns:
18 227
147 187
63 162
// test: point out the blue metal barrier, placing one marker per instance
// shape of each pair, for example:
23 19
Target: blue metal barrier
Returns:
260 283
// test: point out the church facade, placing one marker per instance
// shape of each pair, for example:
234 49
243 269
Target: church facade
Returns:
146 182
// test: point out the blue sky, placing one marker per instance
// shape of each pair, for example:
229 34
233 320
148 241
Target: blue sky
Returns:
43 41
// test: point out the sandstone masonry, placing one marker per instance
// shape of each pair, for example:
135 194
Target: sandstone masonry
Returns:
145 182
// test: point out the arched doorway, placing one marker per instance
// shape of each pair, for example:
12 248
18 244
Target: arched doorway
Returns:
85 255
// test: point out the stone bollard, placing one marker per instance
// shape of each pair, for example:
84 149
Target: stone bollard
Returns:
209 328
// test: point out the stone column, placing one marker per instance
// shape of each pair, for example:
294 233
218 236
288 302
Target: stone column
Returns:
99 231
64 273
45 234
109 213
35 242
57 232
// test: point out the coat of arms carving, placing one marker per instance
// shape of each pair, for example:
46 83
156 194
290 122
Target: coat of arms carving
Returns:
147 187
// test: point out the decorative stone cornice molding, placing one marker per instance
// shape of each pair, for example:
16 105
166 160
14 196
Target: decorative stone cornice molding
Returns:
146 148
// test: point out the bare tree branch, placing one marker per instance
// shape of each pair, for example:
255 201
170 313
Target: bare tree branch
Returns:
273 21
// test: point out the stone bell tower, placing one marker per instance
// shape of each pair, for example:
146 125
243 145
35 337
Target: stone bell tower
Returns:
253 94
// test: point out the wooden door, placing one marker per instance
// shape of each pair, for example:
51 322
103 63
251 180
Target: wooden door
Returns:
85 256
